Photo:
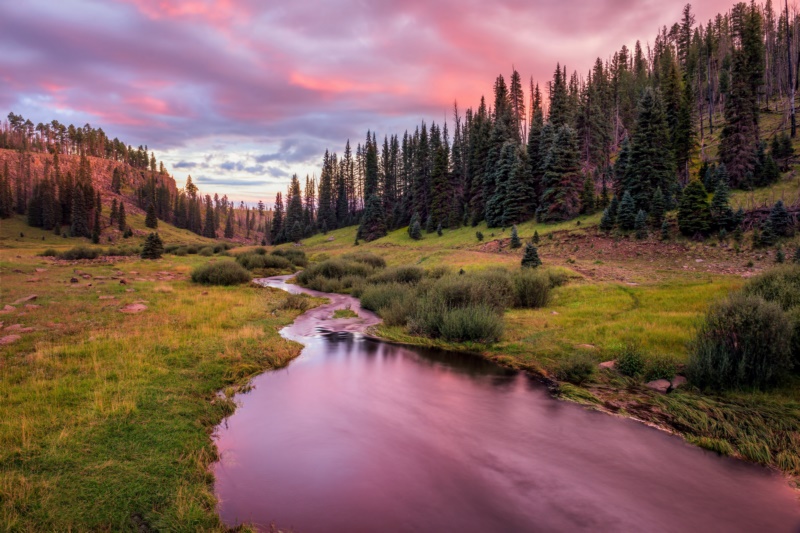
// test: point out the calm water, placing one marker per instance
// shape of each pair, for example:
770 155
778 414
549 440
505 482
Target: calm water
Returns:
357 435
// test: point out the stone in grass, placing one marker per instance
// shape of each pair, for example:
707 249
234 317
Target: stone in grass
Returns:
8 309
677 381
8 339
107 297
608 364
30 298
133 308
659 385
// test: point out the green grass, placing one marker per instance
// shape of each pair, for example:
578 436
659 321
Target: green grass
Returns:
106 417
345 313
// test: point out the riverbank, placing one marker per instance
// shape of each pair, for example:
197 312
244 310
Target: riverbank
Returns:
620 291
113 375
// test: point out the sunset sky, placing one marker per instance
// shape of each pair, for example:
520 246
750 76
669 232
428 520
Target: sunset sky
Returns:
240 95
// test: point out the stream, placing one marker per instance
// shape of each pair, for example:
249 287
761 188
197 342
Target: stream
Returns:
360 435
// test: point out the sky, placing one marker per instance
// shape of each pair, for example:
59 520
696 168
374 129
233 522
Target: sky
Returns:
241 94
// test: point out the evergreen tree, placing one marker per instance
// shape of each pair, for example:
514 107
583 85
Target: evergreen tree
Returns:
277 219
651 165
296 232
373 223
479 236
562 177
114 212
229 224
530 258
768 235
657 207
415 230
515 241
439 230
780 255
122 224
640 225
722 216
780 220
150 220
429 224
116 180
665 230
607 220
626 216
96 229
208 227
693 210
153 247
535 239
414 218
80 226
587 196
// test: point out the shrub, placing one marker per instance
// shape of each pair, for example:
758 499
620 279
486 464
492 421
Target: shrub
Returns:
79 252
299 302
260 251
192 249
576 369
660 367
181 251
171 248
438 272
220 273
530 258
254 261
367 258
153 247
206 251
398 274
479 236
744 342
50 252
377 297
531 288
630 361
492 288
297 257
475 323
222 247
334 269
401 308
780 285
122 251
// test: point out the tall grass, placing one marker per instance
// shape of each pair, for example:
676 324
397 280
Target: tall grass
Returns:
220 273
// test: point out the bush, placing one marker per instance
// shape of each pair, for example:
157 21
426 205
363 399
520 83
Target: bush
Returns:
398 274
79 252
206 251
299 302
630 361
220 273
222 247
260 251
744 342
171 248
181 251
333 269
297 257
531 288
50 252
379 296
192 249
438 272
375 261
660 367
577 369
491 288
122 251
477 324
153 247
780 285
254 261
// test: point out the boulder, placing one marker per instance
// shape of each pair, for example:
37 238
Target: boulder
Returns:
8 309
677 381
133 308
32 306
73 280
8 339
608 364
659 385
30 298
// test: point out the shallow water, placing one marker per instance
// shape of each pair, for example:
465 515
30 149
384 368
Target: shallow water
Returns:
358 435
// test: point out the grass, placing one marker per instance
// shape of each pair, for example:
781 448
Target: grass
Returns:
345 313
106 417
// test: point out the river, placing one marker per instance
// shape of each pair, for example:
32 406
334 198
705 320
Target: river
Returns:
358 435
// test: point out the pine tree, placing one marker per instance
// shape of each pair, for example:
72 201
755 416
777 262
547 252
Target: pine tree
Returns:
562 177
530 258
607 220
79 227
373 223
96 229
439 230
296 232
693 210
535 239
626 216
515 241
150 220
121 222
587 196
780 255
229 224
479 236
780 220
722 216
414 221
277 219
153 247
657 207
208 227
641 225
114 212
665 230
116 180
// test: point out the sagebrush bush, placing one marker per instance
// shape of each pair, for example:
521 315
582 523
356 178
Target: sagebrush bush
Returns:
630 361
438 272
744 342
660 367
255 261
531 288
181 251
490 287
333 269
221 273
478 323
122 251
192 249
299 302
80 252
260 250
375 261
375 297
780 285
171 248
398 274
206 251
296 256
222 247
577 369
49 252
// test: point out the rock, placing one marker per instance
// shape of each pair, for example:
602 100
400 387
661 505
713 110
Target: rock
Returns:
133 308
698 260
33 280
19 328
32 306
130 290
73 280
608 364
330 239
204 293
140 279
107 297
659 385
677 381
553 312
8 339
586 346
123 281
86 276
30 298
41 270
17 271
8 309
